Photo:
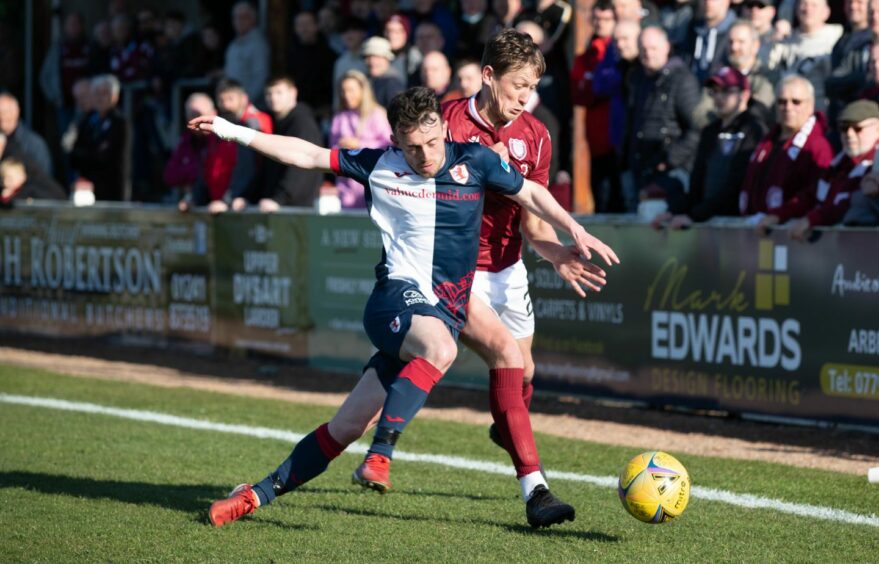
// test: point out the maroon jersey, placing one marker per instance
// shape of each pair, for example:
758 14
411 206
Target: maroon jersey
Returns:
530 148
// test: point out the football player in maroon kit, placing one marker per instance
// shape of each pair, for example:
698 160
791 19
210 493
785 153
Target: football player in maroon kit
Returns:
500 326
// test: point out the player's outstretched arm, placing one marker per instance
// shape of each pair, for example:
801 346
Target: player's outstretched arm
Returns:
538 200
569 264
286 150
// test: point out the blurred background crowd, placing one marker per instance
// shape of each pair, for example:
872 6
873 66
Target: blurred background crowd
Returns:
764 109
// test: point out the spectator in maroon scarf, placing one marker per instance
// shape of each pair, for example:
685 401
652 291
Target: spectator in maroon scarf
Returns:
130 60
828 199
791 156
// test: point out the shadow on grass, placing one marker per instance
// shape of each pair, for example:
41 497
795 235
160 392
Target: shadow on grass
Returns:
188 498
355 489
590 536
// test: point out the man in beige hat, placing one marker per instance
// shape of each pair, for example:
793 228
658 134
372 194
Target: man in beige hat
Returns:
386 83
864 208
829 201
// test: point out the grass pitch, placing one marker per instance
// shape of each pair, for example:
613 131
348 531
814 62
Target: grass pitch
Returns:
86 487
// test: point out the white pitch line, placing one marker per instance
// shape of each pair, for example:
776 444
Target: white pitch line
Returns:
711 494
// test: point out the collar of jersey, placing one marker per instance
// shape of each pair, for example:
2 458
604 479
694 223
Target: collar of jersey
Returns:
474 113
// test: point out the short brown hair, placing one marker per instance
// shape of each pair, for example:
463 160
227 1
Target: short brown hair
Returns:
510 50
281 79
412 108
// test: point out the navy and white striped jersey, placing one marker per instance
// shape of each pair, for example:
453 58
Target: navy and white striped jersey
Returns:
429 226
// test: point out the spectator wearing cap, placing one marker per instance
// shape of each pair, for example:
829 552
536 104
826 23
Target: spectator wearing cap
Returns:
476 25
827 200
807 50
383 78
761 13
860 121
352 32
790 156
725 146
850 58
407 57
309 61
248 56
662 135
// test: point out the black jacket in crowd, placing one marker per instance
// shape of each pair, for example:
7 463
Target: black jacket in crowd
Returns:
719 170
100 154
287 185
660 113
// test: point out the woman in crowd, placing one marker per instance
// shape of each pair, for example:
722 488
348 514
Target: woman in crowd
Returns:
359 123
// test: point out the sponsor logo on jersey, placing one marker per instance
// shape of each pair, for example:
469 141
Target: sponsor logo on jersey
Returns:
505 165
473 139
517 148
412 297
460 174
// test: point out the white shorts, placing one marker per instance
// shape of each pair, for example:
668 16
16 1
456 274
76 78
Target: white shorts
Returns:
506 293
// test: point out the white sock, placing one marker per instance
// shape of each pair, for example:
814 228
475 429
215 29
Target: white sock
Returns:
529 482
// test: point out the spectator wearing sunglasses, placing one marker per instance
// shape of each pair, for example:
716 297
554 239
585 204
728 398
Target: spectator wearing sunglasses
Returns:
792 154
864 207
828 199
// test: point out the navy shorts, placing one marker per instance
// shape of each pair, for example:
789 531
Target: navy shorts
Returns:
388 315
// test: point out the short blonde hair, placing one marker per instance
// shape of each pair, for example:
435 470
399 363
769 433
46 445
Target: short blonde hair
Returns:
11 164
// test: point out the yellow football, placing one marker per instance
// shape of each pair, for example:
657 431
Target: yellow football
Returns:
654 487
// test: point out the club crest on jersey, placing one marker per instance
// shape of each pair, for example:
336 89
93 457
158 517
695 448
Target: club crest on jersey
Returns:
460 174
517 149
395 325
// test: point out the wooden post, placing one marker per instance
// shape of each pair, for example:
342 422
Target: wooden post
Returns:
583 201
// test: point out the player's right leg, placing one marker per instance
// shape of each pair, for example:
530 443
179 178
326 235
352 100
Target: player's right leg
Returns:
312 455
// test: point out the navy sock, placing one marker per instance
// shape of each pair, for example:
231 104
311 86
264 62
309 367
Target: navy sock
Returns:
405 397
309 459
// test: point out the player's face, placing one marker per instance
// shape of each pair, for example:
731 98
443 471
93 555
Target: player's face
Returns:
508 93
424 147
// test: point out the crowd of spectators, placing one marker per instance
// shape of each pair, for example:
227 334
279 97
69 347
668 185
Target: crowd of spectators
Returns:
714 108
694 108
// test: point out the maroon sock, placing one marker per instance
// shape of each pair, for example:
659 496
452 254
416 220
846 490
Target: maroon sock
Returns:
511 417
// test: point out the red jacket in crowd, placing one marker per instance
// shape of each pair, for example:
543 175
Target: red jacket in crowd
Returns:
827 203
598 109
779 170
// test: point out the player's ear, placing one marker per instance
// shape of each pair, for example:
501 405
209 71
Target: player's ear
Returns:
487 74
394 140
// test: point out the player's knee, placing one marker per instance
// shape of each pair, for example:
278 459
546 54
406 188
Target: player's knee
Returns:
507 354
441 354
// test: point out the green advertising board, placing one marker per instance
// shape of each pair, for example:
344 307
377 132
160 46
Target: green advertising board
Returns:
720 319
101 271
261 300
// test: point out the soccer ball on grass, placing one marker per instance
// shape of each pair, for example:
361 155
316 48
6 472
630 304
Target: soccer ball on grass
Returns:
654 487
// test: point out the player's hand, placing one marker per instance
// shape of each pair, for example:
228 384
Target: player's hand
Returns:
502 151
800 229
268 205
202 125
576 270
765 223
586 243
